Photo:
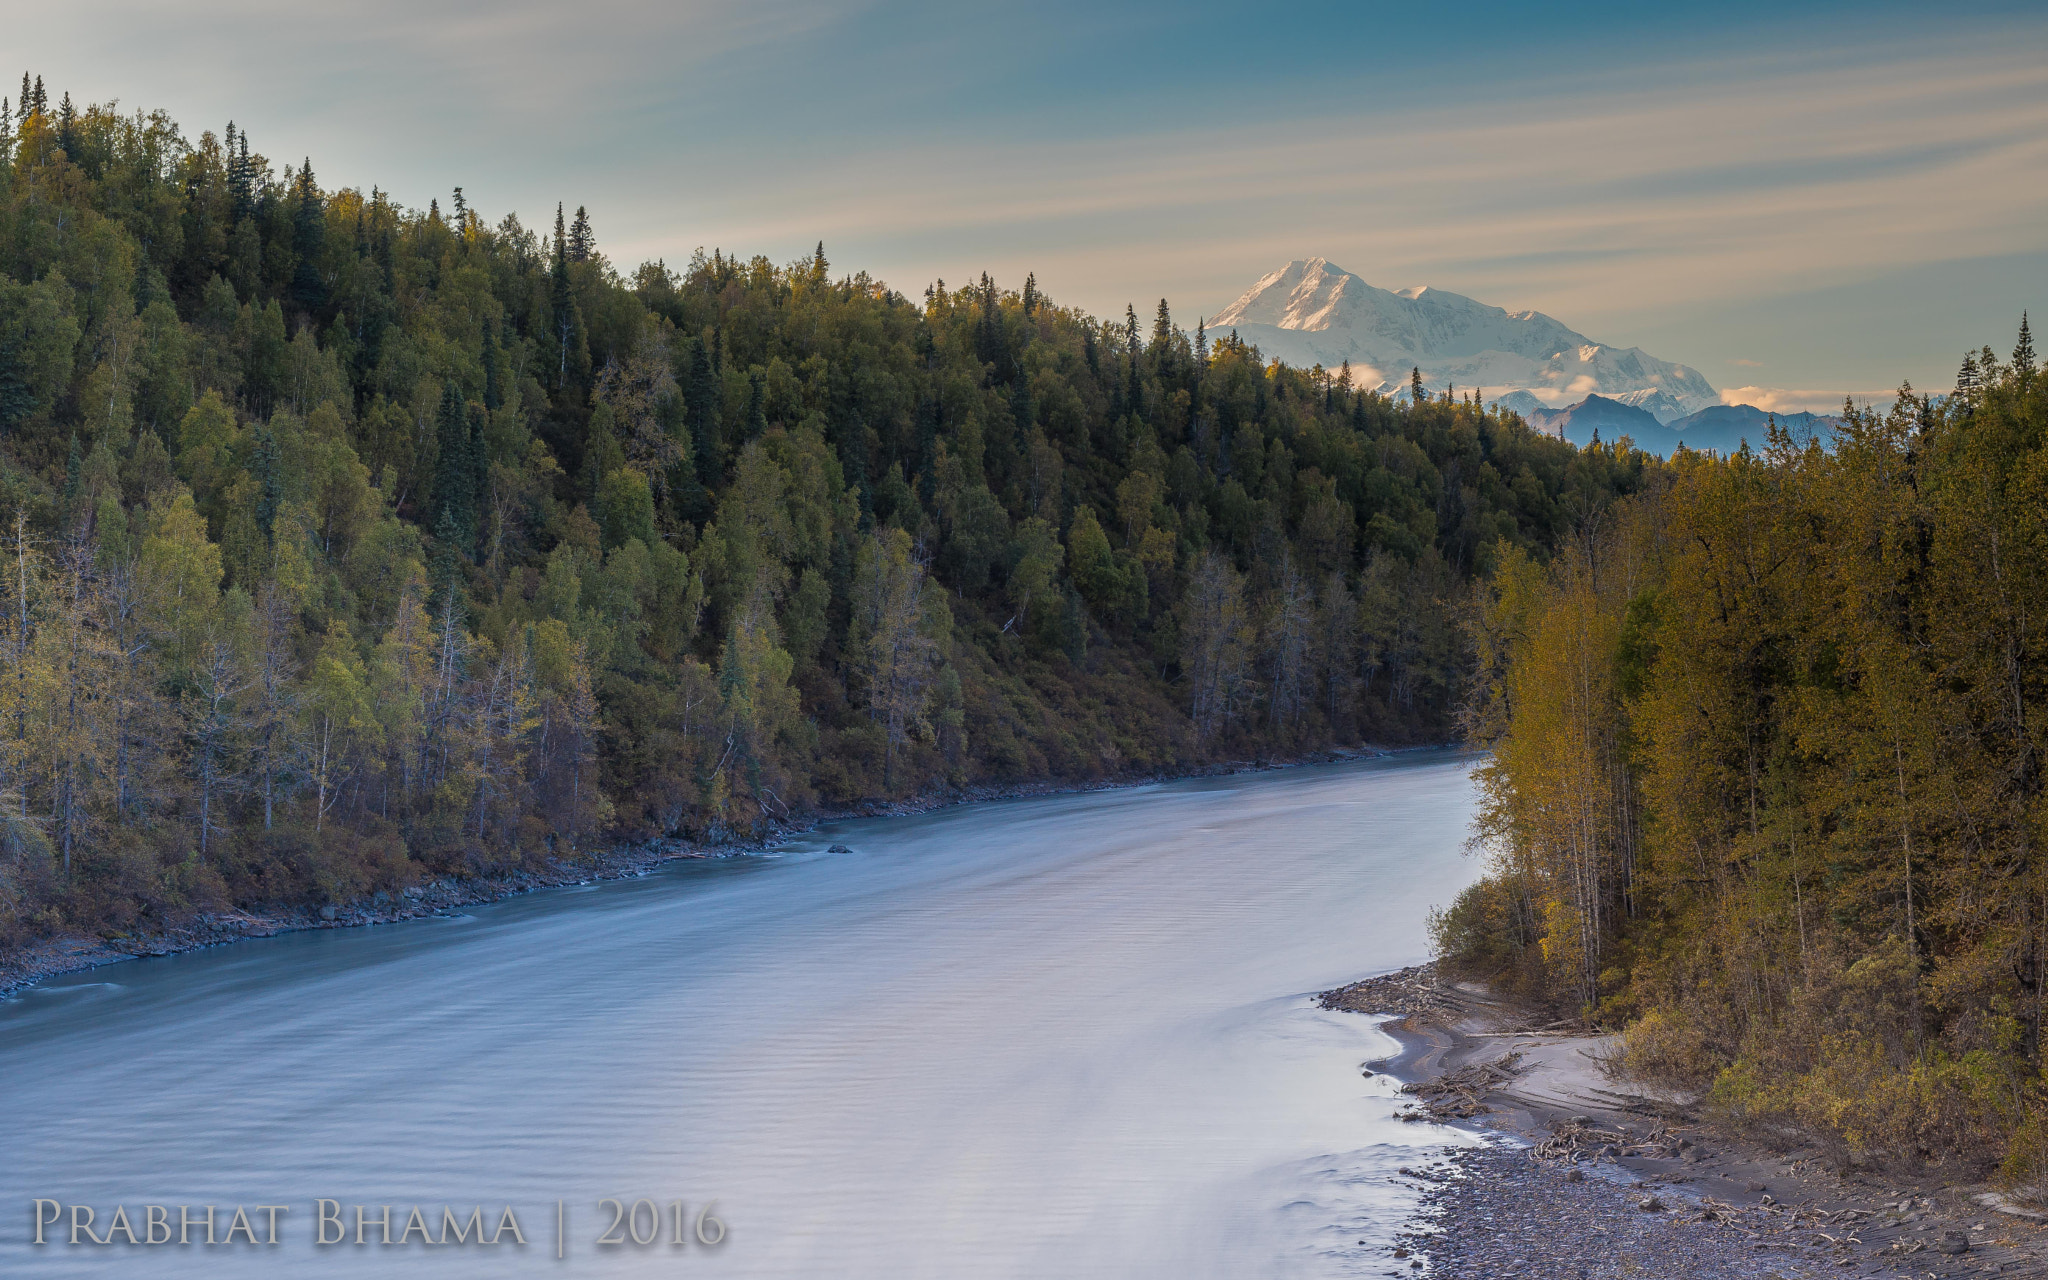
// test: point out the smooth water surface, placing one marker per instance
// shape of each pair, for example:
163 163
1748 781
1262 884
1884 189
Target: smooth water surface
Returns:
1060 1037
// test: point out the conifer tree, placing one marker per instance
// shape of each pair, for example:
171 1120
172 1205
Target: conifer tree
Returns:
455 472
309 237
494 391
1030 293
572 355
757 408
2023 352
581 244
242 180
700 404
67 127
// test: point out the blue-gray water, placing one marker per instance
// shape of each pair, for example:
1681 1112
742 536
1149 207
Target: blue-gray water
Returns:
1060 1037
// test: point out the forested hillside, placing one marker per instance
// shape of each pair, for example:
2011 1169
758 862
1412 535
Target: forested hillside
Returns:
348 544
1767 780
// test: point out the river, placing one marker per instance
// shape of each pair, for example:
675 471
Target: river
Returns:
1068 1036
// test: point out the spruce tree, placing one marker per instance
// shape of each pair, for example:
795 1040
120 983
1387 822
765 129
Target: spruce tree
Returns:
245 193
1030 293
67 128
309 237
455 484
988 330
700 404
581 244
1415 385
852 443
494 392
757 407
2023 353
565 318
1966 379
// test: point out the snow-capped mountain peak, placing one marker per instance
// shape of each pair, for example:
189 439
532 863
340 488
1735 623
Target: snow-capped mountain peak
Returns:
1313 311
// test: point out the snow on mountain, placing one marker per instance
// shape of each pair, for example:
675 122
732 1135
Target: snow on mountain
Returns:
1521 402
1658 403
1311 311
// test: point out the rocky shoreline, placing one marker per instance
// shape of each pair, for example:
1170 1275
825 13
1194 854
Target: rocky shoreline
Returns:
1586 1176
77 952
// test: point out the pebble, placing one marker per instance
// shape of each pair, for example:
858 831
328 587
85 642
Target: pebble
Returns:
1496 1215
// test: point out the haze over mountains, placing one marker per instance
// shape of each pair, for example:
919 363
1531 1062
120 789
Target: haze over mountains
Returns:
1312 311
1723 428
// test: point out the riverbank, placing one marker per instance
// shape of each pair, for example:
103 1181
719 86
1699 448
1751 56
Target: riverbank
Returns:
1584 1175
77 952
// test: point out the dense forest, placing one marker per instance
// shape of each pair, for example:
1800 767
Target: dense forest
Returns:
349 544
1767 781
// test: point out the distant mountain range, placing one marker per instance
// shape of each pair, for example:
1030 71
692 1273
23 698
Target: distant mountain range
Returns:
1311 311
1721 427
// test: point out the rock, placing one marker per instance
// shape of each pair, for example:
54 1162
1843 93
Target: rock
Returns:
1650 1204
1754 1187
1400 1253
839 848
1574 1175
1952 1242
327 912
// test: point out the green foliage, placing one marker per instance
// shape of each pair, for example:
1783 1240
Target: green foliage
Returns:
396 546
1765 776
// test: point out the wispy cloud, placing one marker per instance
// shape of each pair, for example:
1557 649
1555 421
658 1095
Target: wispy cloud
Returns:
1788 400
1622 194
1583 204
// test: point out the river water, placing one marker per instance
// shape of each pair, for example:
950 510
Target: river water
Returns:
1056 1037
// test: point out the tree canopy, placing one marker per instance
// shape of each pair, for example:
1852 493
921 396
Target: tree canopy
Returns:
350 544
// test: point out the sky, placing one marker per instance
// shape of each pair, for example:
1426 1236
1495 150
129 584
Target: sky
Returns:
1801 200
